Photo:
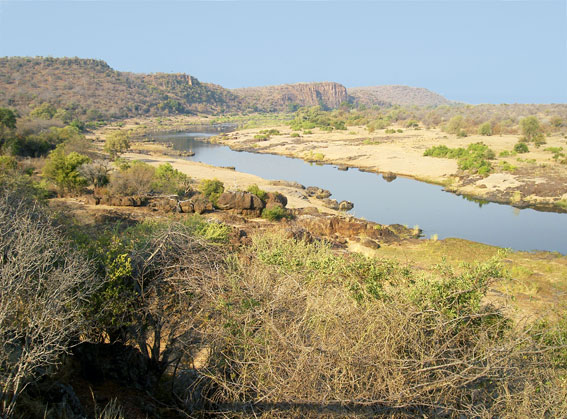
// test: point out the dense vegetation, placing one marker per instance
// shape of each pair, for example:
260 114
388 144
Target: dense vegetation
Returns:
475 158
183 325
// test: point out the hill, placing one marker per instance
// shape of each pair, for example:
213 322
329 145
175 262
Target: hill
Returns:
287 96
91 89
396 95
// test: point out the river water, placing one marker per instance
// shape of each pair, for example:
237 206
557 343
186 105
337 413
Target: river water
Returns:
402 201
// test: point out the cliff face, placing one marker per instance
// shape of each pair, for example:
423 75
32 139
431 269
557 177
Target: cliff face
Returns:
279 98
396 95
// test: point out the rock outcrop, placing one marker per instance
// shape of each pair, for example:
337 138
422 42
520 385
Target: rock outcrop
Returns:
244 203
279 98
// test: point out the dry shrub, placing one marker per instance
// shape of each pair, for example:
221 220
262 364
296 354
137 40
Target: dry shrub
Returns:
43 284
291 336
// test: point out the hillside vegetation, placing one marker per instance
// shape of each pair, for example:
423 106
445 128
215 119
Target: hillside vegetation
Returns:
396 95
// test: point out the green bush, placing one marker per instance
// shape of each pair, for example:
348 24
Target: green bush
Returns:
261 137
532 130
521 147
254 189
63 169
485 129
212 189
275 213
475 158
171 181
295 135
8 163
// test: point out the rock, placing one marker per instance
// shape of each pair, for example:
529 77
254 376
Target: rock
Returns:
331 203
342 167
317 192
389 176
275 199
287 183
201 204
239 201
345 206
370 243
186 207
298 233
306 211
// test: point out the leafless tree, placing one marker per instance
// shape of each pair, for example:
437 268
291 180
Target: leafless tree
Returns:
43 284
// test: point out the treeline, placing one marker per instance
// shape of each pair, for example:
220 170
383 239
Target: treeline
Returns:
462 120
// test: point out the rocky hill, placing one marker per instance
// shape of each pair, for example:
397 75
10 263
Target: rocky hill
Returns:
282 97
396 95
91 89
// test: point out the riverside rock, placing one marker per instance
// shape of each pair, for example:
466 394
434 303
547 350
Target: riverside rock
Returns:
244 203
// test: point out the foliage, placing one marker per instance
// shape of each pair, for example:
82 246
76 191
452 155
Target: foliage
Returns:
262 137
63 169
485 129
96 172
8 163
455 125
532 131
135 179
474 158
212 189
275 213
556 151
44 111
117 142
7 118
171 181
521 147
254 189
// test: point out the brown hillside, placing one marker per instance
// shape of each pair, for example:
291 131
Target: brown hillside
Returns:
92 89
279 98
396 95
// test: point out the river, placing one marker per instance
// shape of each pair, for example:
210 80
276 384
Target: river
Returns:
402 201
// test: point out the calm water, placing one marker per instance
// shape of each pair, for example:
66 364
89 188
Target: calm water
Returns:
402 201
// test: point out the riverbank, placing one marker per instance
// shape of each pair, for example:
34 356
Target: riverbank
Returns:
532 179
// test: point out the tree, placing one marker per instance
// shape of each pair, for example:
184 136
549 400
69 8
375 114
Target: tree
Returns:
532 130
117 142
485 129
96 172
44 282
63 169
7 118
44 111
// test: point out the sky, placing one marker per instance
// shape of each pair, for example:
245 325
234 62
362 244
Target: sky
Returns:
484 51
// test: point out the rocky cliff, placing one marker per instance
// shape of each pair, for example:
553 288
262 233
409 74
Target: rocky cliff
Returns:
396 95
282 97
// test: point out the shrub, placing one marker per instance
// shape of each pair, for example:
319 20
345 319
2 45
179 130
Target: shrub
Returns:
521 147
556 151
269 132
171 181
295 135
475 158
455 125
254 189
390 131
532 130
117 142
275 213
96 172
63 169
136 179
485 129
412 123
262 137
45 283
8 163
212 189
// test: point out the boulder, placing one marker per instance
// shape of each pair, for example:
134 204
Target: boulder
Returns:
201 204
241 202
389 176
345 206
331 203
275 199
317 192
186 207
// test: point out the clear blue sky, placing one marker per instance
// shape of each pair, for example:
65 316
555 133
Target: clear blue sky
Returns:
470 51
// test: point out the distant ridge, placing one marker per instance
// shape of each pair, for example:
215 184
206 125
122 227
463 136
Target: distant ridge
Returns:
396 95
90 89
